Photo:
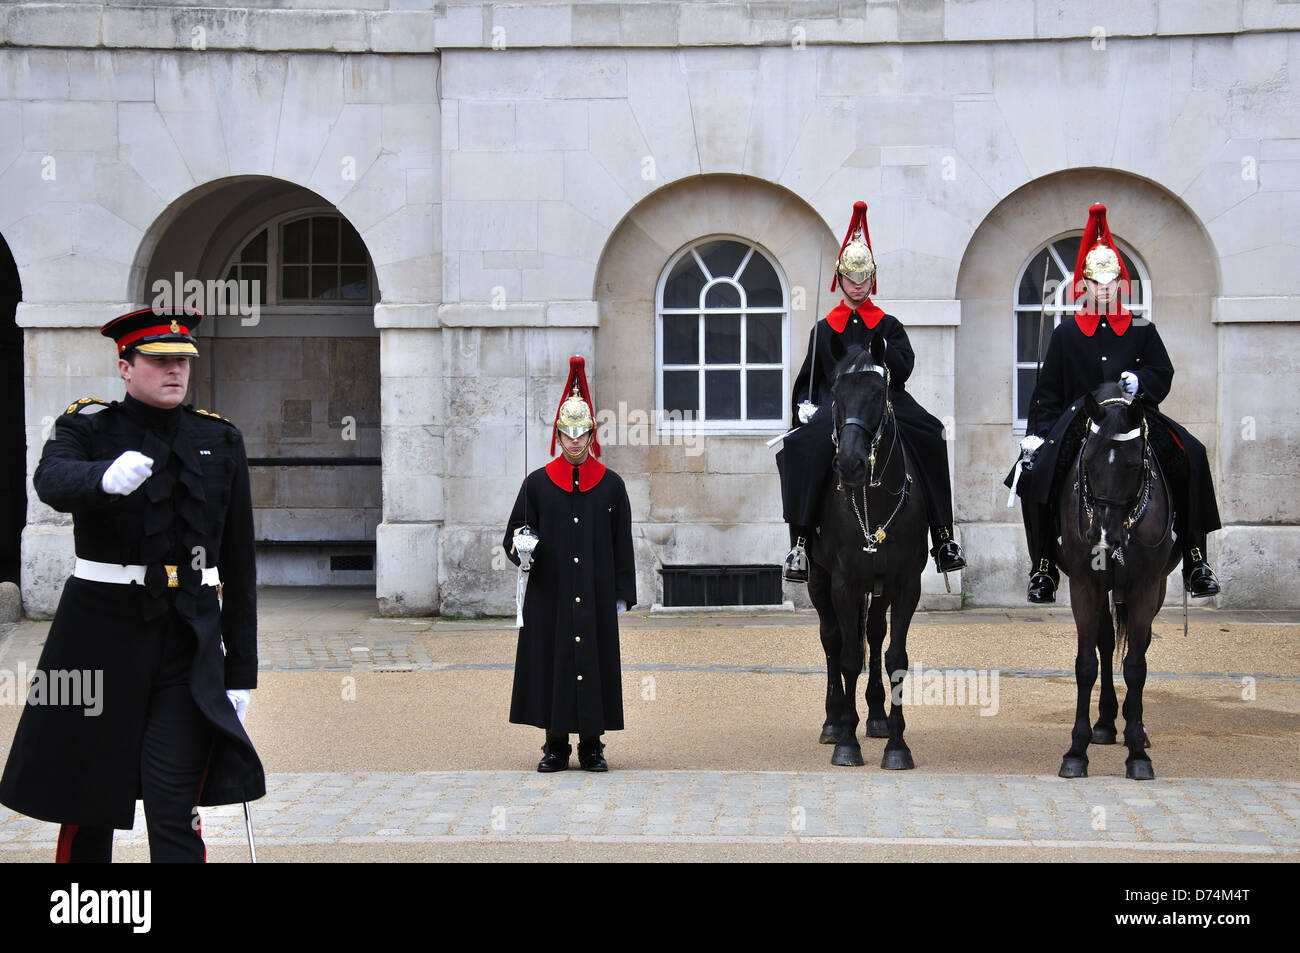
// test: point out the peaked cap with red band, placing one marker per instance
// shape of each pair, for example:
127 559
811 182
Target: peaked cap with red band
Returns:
578 379
162 331
1096 235
857 228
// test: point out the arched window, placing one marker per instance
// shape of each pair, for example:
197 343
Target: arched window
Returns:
720 337
1046 300
314 259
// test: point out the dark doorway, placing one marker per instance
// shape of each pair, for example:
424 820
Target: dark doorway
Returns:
13 443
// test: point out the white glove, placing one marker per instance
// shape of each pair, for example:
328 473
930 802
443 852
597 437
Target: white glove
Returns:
240 697
525 542
620 607
125 474
806 411
1029 445
1129 382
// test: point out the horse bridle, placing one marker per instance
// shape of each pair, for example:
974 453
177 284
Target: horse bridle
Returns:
876 536
1142 499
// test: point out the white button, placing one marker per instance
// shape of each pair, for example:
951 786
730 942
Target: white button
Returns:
575 559
577 598
577 638
1103 357
579 678
575 519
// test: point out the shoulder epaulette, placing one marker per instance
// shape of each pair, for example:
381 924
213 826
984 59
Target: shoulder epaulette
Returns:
209 414
78 406
1140 322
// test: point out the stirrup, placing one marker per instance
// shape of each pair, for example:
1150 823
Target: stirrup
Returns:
1042 585
795 567
1201 582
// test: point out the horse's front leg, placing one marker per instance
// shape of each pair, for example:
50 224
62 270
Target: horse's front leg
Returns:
1137 766
848 610
877 725
1087 602
1103 732
819 592
897 756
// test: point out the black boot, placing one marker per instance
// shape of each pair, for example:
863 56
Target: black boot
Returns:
555 754
1043 582
589 754
795 567
947 553
1198 578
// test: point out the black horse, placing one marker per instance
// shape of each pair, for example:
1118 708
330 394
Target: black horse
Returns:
867 557
1116 537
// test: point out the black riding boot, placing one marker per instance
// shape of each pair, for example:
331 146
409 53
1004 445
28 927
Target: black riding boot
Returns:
947 553
795 567
1198 578
589 754
1043 574
555 755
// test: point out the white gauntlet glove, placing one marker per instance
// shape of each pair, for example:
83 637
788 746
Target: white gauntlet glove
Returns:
806 411
1129 382
1029 445
126 473
240 697
620 607
525 542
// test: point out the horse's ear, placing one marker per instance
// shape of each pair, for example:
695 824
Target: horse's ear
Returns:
1134 412
877 346
838 350
1092 408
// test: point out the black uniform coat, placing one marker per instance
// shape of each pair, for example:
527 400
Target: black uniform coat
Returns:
195 510
1077 364
568 676
807 454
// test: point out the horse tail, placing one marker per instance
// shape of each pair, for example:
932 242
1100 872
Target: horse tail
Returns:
1120 615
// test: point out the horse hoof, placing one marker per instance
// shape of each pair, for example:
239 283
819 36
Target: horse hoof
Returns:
897 759
847 756
1073 768
828 736
1103 736
1139 770
878 729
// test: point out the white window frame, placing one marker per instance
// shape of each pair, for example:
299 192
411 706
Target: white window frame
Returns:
1060 305
703 424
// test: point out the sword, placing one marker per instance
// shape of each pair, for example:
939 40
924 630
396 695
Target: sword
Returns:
248 828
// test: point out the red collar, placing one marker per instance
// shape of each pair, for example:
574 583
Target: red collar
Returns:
560 471
1088 320
838 319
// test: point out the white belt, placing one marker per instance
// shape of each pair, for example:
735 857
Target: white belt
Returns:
92 571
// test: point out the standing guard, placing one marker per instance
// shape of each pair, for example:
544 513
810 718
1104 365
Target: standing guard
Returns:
1104 342
806 458
163 527
572 527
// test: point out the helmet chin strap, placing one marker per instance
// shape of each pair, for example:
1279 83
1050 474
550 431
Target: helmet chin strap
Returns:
579 458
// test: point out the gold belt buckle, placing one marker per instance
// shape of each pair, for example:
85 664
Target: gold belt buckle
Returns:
173 581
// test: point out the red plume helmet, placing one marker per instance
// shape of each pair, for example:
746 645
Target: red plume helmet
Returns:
856 257
575 405
1099 259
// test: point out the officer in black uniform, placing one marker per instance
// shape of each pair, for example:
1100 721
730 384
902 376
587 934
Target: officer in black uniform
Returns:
572 524
1103 343
160 612
807 456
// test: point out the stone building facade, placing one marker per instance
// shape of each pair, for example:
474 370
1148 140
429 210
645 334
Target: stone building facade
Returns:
441 201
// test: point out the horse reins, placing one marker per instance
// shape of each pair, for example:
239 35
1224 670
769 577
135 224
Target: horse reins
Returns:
873 538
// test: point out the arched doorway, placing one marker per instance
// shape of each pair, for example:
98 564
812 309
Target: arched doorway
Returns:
290 354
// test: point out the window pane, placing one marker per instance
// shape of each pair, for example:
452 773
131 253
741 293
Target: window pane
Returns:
722 295
1025 383
356 282
324 281
762 287
353 249
255 273
324 239
683 287
722 395
681 339
722 258
293 281
293 241
255 250
763 339
1027 335
763 395
722 339
681 391
1031 285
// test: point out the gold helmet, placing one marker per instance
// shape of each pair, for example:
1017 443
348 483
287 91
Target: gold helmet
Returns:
574 416
1099 259
856 262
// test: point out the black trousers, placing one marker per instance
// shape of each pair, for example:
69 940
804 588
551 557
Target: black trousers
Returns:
173 762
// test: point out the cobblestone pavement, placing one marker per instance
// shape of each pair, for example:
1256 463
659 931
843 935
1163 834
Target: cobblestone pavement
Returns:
373 808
